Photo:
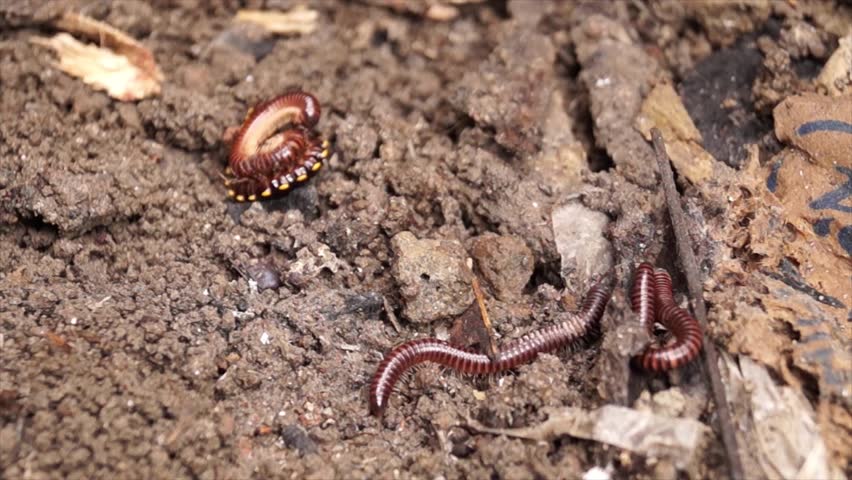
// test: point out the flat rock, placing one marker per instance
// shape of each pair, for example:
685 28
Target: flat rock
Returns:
505 262
585 252
432 277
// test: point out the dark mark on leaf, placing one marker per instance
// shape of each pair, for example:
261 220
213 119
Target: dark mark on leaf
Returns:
809 322
844 236
831 200
815 336
823 226
772 179
791 277
823 126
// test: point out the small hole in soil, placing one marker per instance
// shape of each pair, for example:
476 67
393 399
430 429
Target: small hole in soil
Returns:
547 273
380 36
599 160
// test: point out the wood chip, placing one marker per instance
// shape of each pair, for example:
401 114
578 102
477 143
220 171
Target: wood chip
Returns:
297 21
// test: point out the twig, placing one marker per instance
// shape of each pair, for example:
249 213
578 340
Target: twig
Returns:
680 223
390 314
486 335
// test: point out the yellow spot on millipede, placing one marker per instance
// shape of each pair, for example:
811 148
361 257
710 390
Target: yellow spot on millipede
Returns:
241 198
301 178
231 193
266 193
252 197
283 186
325 153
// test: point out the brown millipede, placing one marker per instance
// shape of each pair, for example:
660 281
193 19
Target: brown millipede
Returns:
643 295
682 325
515 353
263 160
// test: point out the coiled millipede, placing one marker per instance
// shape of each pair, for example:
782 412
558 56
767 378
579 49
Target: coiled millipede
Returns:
265 159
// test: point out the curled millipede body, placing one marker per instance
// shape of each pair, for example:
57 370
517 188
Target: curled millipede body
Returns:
405 356
265 159
683 326
663 289
686 347
643 296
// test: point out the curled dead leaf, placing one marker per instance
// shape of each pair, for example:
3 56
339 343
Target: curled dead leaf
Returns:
121 66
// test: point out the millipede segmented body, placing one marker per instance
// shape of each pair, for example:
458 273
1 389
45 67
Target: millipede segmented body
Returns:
686 347
264 160
663 289
551 338
652 292
643 296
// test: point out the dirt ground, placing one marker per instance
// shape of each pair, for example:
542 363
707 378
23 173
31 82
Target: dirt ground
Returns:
150 328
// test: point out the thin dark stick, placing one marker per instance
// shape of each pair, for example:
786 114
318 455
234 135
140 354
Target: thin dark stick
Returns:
680 223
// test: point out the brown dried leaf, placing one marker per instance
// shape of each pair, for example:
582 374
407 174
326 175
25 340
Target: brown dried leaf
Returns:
815 124
664 109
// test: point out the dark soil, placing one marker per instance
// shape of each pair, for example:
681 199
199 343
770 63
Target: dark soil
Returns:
149 328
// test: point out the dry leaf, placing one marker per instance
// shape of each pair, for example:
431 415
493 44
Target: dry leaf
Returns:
100 68
121 65
664 109
818 125
680 440
781 428
300 20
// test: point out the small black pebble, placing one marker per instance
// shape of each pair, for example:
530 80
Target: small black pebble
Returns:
296 437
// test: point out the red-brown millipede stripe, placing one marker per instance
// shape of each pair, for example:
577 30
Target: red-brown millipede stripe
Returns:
643 296
264 160
682 325
462 360
663 288
687 344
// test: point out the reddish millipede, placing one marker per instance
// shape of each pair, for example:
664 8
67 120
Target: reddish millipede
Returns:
462 360
263 161
652 291
643 295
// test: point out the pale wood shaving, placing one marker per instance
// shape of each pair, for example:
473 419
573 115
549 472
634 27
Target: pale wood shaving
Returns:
300 21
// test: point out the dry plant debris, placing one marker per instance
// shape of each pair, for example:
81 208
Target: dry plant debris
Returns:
121 66
680 440
781 424
301 21
664 109
836 75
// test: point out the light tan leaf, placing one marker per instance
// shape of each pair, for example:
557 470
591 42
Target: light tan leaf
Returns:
120 65
297 21
100 68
